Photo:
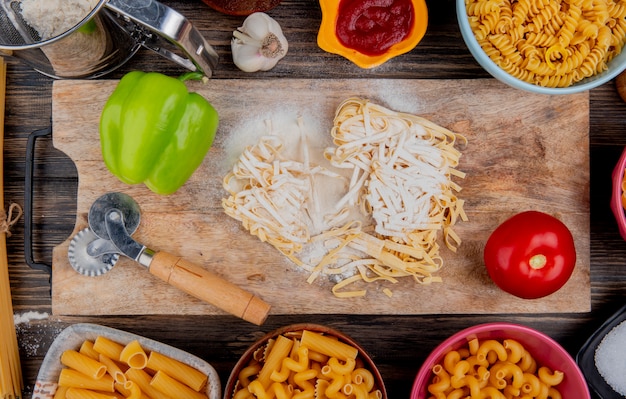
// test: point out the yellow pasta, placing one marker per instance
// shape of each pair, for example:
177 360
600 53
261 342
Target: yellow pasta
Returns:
142 379
60 392
551 43
86 365
11 383
80 393
113 369
306 365
492 369
86 348
134 355
279 350
173 388
178 370
108 347
328 346
76 379
549 377
127 374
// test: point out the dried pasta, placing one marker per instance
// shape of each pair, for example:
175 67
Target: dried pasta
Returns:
306 364
11 382
493 369
551 43
89 373
400 198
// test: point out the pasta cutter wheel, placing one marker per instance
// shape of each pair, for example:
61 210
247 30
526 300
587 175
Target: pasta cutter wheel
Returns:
113 218
90 252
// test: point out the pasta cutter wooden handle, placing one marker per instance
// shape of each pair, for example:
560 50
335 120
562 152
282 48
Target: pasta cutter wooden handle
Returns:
200 283
110 218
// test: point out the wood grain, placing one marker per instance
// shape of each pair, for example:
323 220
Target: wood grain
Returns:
524 152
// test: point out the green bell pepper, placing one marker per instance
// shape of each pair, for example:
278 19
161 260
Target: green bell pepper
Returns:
154 131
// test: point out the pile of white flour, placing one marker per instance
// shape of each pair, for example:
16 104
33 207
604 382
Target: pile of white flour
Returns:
51 18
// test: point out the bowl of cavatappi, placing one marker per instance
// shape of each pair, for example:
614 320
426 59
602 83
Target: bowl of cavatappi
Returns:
557 47
90 360
498 360
305 359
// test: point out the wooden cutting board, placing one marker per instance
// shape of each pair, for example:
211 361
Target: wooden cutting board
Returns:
524 151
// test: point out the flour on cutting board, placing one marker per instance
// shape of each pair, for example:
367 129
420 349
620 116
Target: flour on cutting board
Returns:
494 187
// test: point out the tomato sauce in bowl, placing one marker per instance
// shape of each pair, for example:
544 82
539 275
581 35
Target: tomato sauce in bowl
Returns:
373 26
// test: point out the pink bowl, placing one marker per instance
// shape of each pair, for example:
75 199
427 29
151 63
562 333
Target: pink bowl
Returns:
544 349
616 195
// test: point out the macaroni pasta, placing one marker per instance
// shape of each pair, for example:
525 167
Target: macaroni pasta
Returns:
493 369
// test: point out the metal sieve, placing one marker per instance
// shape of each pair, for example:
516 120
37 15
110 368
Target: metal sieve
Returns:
108 36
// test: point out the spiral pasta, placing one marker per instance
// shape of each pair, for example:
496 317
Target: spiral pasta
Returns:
550 43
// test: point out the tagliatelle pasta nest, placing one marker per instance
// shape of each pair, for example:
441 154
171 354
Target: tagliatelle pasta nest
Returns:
551 43
398 199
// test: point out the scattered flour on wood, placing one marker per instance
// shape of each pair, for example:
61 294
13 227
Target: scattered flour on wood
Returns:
28 316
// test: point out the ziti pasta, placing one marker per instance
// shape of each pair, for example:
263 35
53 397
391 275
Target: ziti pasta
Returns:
496 369
103 368
398 198
305 364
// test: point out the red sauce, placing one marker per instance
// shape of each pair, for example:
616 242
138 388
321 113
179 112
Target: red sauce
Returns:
372 26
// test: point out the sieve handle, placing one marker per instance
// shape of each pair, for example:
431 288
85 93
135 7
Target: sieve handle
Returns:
171 26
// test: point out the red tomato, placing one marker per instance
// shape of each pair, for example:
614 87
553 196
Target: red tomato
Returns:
530 255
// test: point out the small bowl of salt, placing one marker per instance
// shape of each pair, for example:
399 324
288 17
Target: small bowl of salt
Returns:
602 359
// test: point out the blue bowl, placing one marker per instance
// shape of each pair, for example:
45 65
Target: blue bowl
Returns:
615 66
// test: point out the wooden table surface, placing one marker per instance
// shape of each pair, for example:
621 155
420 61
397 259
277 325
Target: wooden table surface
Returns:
398 344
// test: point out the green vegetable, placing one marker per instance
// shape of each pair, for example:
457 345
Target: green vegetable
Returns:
154 131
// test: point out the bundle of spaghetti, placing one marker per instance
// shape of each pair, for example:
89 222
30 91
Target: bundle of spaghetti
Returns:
11 382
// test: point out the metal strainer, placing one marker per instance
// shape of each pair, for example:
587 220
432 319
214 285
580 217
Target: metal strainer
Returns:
108 36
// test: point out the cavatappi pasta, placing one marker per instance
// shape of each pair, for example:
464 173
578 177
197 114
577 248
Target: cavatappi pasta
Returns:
494 369
105 369
305 364
551 43
400 180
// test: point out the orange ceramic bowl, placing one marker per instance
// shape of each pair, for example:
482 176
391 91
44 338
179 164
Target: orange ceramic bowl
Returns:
541 347
328 41
294 331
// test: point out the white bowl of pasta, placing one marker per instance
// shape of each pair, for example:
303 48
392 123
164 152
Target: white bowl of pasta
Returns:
510 358
311 358
557 50
87 358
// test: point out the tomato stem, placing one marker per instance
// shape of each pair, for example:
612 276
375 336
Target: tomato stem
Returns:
538 261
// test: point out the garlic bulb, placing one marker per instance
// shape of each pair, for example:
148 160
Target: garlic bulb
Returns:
258 44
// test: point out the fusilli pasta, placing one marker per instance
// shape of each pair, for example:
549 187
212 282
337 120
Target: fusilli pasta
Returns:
551 43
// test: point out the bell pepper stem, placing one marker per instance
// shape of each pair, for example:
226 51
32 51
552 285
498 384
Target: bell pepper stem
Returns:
194 75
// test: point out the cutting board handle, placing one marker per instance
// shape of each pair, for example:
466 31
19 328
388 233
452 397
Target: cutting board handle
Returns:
200 283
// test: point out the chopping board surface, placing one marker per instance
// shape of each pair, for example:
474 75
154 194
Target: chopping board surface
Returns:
524 151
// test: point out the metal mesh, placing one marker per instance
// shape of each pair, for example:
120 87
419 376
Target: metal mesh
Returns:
14 31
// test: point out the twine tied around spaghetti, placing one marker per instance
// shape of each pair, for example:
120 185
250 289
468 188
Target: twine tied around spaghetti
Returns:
7 220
